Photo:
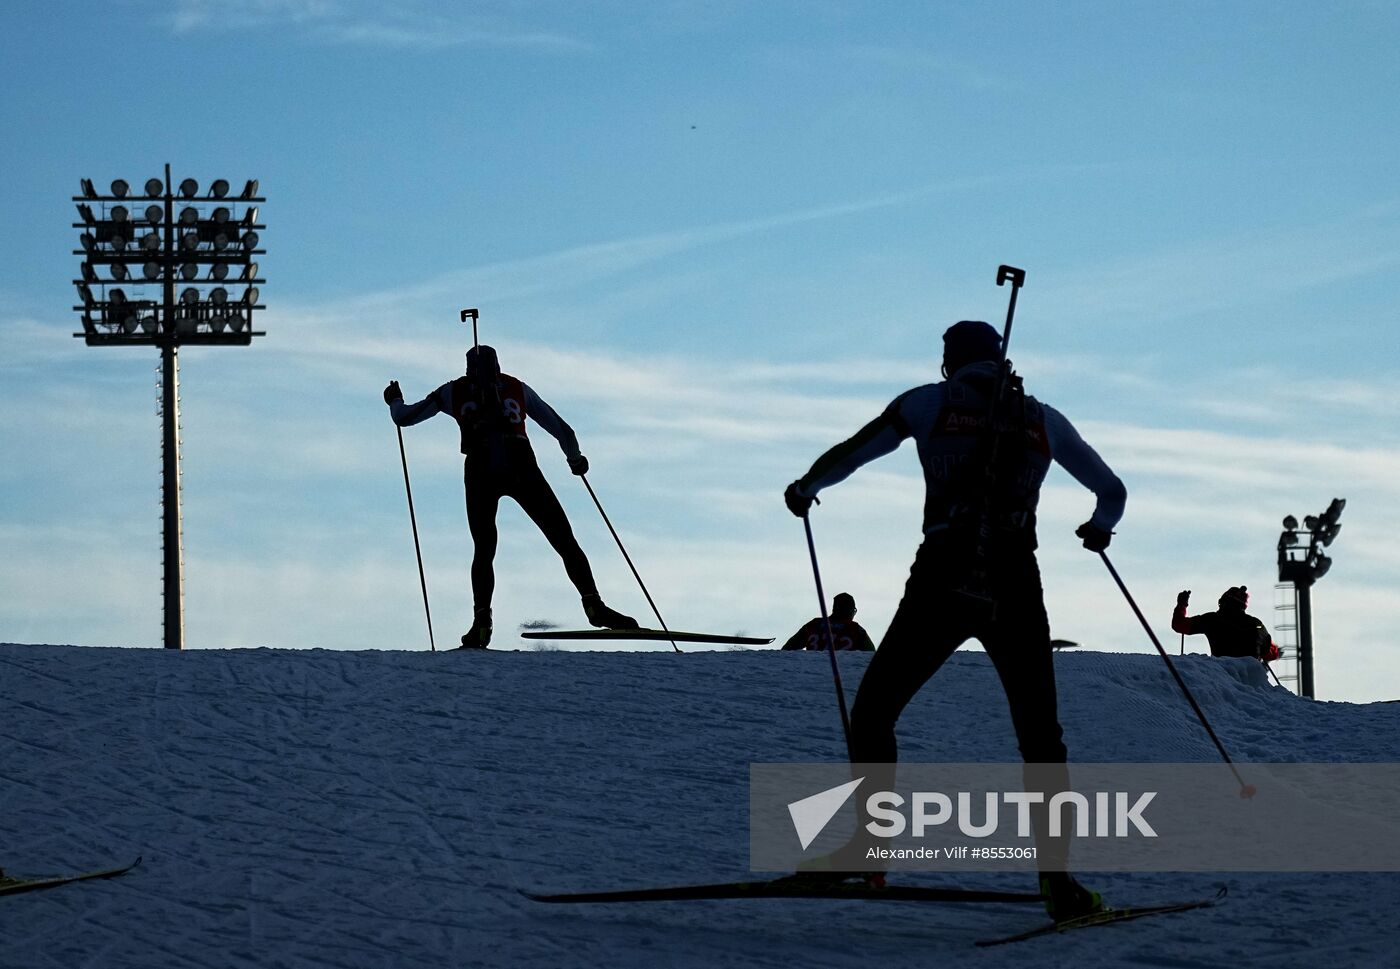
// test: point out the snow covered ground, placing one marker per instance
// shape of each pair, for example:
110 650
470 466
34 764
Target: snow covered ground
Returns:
314 808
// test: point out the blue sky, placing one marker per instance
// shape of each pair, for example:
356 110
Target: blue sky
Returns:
717 237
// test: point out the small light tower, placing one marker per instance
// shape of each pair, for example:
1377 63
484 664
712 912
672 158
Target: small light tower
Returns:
155 276
1301 561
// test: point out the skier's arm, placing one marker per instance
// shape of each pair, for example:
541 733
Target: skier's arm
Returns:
1181 623
1086 467
545 417
406 415
861 638
799 638
874 440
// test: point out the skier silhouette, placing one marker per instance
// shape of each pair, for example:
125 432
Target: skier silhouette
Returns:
1230 630
945 598
848 634
490 408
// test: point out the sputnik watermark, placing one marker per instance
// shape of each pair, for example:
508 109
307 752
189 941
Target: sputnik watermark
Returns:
1114 814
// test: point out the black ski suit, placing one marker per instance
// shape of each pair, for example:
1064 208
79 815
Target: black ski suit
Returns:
499 463
947 421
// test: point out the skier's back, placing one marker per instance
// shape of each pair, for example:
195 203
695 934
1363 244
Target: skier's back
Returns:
979 543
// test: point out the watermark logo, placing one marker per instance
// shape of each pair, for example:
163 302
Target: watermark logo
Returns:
811 815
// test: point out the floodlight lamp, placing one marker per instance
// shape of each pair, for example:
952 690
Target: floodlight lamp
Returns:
189 215
89 273
218 321
150 242
88 190
188 188
1290 523
129 323
1288 539
237 323
89 243
148 325
151 271
218 296
220 215
120 188
86 293
153 187
250 217
120 213
154 213
250 298
251 189
119 270
219 189
1334 511
189 271
219 271
190 296
1310 523
250 241
1320 566
86 212
220 241
117 297
1329 534
250 271
190 240
119 240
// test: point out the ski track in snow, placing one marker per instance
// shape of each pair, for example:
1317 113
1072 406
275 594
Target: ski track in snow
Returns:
315 808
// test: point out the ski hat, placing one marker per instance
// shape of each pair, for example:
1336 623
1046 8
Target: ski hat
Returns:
969 341
482 363
843 603
1236 596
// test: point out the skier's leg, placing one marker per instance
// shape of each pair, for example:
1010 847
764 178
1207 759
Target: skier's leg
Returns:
538 500
483 498
924 632
1018 644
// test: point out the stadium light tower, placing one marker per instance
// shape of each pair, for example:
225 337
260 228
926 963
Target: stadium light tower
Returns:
155 276
1302 562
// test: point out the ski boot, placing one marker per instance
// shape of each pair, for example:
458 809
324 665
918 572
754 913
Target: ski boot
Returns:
480 634
1066 899
602 617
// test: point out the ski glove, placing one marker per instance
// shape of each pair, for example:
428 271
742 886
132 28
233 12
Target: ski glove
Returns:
392 392
798 503
578 465
1182 598
1095 538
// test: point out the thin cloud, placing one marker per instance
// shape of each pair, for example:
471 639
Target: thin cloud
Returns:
355 22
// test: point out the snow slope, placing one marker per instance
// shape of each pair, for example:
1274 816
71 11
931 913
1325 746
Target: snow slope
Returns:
313 808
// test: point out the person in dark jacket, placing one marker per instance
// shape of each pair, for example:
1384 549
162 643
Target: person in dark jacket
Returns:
951 587
846 633
1230 630
490 408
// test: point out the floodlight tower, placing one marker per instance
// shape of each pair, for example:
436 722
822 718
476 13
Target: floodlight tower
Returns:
1302 562
208 247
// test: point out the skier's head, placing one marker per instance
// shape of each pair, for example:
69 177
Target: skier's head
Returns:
843 607
482 363
969 341
1235 597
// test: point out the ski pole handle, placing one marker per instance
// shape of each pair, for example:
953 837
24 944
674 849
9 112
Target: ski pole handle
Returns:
1017 277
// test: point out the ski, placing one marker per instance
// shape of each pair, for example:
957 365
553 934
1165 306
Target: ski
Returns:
790 888
660 635
13 885
1107 917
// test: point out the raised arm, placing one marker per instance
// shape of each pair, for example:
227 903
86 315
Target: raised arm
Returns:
406 415
1086 467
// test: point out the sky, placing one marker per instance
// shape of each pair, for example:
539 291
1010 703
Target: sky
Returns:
717 238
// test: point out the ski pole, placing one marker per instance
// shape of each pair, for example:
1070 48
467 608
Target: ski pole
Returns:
1183 644
1246 790
629 560
830 640
417 550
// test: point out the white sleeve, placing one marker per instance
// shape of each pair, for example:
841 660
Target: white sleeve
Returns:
545 417
1085 465
406 415
876 439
